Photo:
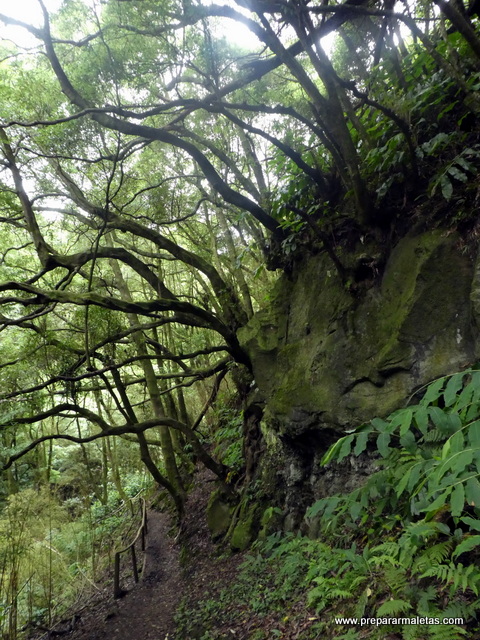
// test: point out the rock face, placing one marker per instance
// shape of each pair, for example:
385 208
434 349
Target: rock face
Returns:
325 360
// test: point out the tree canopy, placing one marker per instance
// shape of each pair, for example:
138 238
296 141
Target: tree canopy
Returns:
154 174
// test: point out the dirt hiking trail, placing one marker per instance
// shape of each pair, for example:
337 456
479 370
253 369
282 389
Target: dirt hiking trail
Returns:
146 612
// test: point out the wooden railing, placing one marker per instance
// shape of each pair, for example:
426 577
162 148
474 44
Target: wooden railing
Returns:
141 534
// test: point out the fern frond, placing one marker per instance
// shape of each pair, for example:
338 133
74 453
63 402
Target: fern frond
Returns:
434 436
421 530
382 561
362 604
396 579
457 609
351 634
413 632
425 598
393 608
386 549
357 581
441 572
436 554
458 576
446 632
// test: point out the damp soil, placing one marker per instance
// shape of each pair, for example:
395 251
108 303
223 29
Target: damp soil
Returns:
187 566
146 610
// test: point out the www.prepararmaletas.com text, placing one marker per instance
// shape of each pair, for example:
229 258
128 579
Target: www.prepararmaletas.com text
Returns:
363 622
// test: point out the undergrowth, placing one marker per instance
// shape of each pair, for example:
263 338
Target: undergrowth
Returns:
402 549
52 553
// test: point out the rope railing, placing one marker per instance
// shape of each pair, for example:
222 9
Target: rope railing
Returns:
141 534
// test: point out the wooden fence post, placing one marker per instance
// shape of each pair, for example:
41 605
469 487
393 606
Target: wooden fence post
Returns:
134 562
143 530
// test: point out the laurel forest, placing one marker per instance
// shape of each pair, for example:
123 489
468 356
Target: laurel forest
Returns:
242 237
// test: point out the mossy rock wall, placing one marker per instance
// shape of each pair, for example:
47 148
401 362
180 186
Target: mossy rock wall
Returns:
325 360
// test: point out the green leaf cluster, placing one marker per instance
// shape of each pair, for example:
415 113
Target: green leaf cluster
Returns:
404 545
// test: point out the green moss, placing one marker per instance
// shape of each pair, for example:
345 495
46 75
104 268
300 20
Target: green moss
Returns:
401 278
324 358
267 328
245 531
270 522
242 535
219 514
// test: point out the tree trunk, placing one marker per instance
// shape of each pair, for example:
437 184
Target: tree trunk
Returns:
171 469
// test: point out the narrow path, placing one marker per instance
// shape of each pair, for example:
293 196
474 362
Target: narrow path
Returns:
146 612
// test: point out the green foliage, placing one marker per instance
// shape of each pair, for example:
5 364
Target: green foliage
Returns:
457 171
228 438
50 552
429 453
169 129
405 545
425 495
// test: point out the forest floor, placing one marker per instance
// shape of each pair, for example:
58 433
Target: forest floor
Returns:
189 568
146 611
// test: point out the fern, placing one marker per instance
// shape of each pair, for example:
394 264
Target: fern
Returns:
467 544
351 634
425 599
362 603
422 530
441 572
358 581
427 465
396 579
433 632
386 549
446 632
458 576
341 594
436 554
412 632
458 609
383 560
434 435
393 608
